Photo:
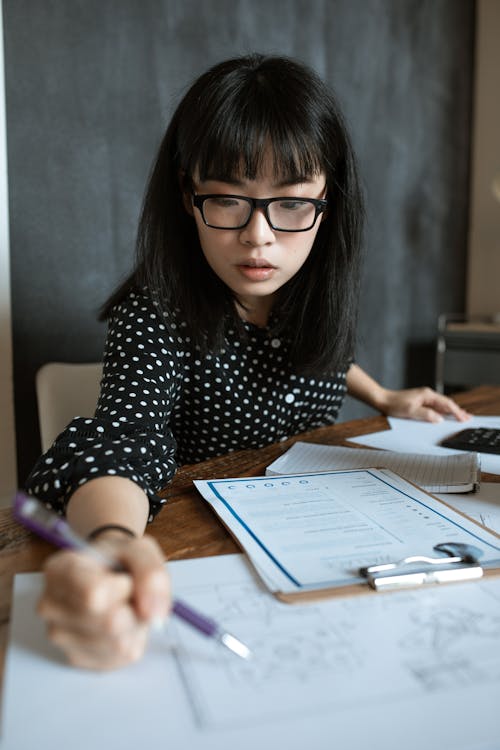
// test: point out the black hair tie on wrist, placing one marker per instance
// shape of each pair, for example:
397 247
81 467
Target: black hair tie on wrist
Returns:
109 527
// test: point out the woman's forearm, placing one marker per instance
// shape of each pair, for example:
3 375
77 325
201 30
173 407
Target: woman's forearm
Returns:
108 500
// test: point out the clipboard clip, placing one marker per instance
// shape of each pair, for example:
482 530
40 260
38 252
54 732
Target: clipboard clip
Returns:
461 564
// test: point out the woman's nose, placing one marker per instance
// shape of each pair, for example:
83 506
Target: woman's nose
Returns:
258 231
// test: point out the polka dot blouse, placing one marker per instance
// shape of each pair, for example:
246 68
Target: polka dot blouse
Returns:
162 404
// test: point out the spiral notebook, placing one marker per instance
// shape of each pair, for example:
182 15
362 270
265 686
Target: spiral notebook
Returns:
434 473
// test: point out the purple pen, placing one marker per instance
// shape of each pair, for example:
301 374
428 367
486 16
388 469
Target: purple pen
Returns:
54 529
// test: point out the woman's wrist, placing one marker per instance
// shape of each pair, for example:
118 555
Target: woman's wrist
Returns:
362 386
381 399
111 530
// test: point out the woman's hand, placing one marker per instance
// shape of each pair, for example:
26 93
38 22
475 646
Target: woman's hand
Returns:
100 618
412 403
420 403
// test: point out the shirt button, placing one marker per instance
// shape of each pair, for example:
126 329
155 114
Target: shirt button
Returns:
275 343
289 398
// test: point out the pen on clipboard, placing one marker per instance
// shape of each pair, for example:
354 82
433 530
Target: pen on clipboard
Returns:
51 527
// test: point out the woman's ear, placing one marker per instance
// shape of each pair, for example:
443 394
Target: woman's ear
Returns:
188 203
184 185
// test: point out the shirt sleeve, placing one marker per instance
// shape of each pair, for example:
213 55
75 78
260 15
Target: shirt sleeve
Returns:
130 434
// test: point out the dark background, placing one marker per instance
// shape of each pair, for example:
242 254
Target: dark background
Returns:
90 86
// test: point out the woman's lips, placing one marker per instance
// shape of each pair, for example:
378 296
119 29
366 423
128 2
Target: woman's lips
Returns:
257 270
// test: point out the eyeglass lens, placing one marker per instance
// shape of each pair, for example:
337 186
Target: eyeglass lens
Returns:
232 213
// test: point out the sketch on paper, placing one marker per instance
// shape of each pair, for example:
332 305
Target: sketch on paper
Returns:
332 656
445 644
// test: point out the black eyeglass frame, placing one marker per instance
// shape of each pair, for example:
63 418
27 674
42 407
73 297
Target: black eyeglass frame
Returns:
320 205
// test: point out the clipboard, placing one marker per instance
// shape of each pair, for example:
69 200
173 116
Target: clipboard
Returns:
382 497
454 572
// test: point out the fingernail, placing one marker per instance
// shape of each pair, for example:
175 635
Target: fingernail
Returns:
157 623
154 607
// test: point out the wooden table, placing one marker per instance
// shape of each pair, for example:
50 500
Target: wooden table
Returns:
186 527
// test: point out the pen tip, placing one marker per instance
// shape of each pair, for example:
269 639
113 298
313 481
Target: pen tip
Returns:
235 645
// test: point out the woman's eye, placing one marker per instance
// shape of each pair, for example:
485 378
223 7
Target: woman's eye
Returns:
293 205
224 202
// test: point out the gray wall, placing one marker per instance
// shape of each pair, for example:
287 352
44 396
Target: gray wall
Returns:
90 86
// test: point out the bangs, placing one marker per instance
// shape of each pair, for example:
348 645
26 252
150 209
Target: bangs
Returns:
248 153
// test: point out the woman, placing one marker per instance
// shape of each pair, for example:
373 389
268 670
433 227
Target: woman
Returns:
236 329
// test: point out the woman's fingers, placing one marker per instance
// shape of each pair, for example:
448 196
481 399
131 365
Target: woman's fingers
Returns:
80 584
100 652
145 563
424 404
108 623
434 405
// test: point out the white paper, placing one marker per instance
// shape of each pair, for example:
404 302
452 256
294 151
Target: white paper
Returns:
411 670
412 436
318 529
483 506
433 473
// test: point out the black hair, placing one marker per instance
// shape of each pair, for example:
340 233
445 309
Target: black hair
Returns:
223 129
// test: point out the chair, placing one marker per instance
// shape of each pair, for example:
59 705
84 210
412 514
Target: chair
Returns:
468 351
65 391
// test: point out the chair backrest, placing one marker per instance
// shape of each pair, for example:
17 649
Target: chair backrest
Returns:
468 351
65 391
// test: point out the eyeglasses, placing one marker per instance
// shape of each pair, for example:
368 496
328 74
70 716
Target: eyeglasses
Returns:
282 214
